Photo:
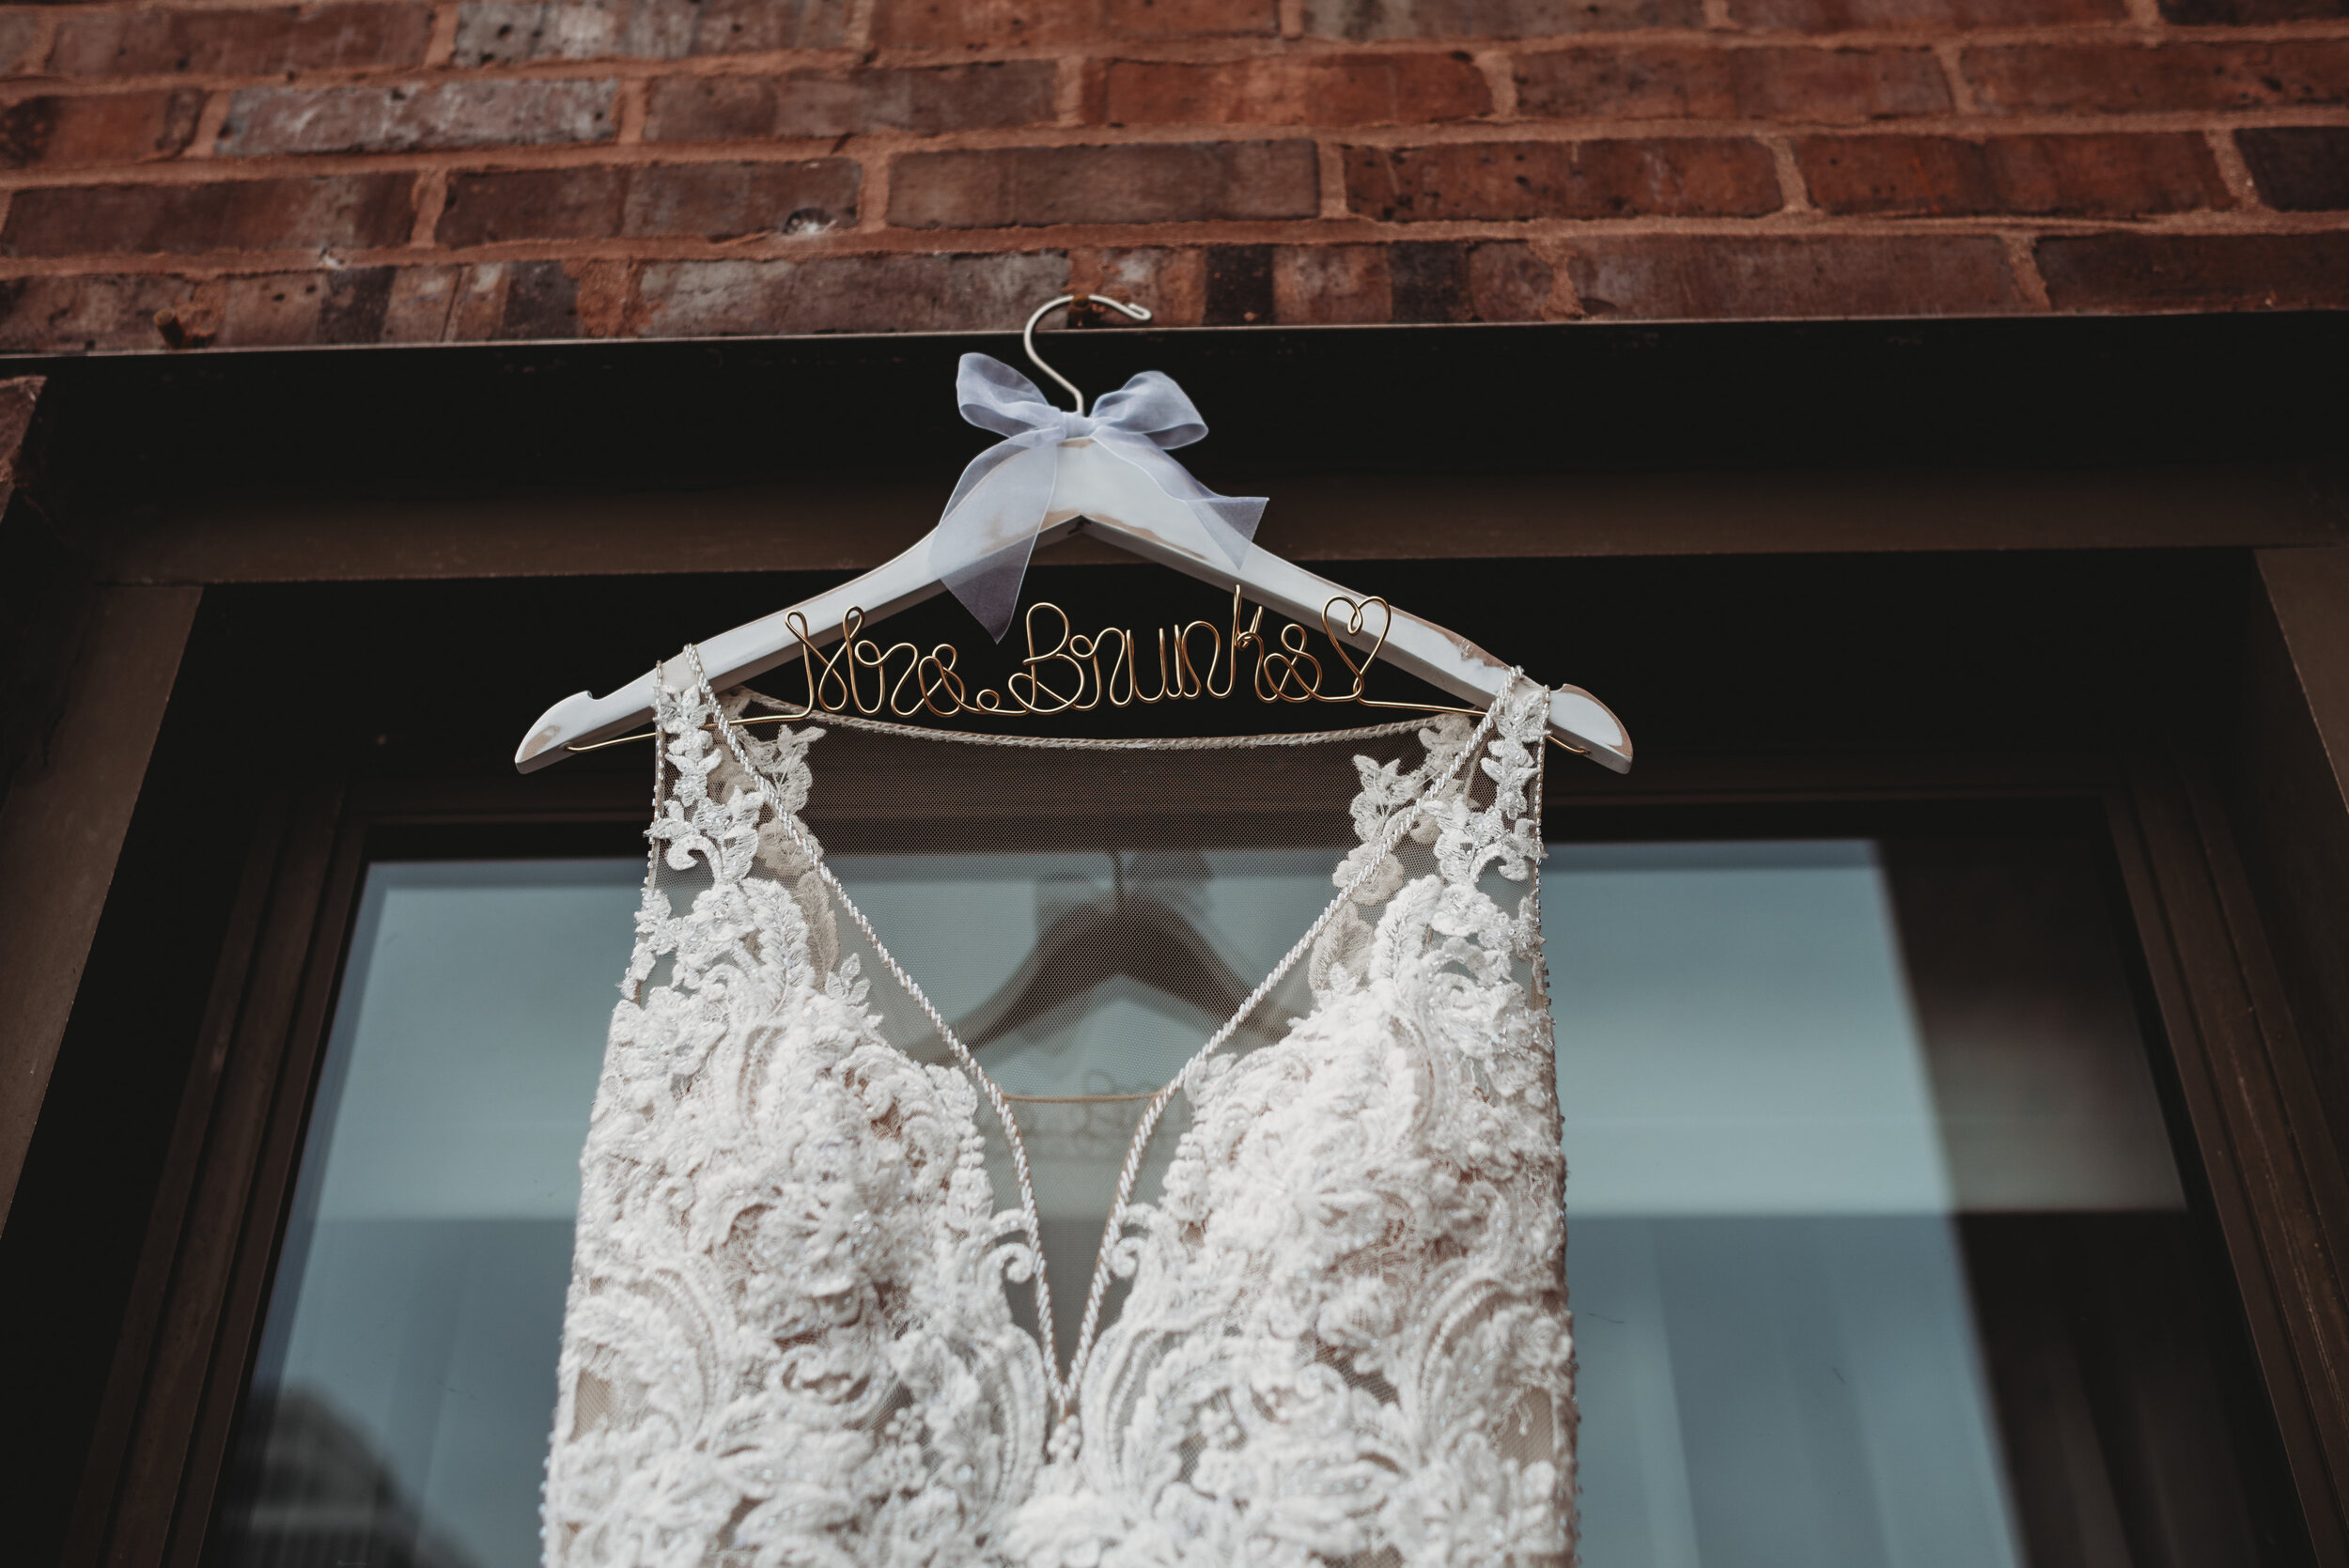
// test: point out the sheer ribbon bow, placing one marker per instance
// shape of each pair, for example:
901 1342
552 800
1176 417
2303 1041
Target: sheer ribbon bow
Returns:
981 547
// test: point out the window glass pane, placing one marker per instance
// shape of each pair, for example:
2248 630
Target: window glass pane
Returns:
399 1408
1878 1250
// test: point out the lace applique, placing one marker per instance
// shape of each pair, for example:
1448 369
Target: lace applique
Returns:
1344 1339
785 1323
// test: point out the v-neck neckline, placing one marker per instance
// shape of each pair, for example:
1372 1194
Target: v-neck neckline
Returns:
1063 1389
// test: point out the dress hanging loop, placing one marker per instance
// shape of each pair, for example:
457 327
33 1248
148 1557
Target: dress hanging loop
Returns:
1027 333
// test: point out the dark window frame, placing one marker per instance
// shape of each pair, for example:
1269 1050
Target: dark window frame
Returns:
194 1320
143 459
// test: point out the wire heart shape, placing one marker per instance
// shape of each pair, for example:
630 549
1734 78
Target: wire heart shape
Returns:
1356 610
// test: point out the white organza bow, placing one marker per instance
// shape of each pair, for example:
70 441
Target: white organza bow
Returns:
981 547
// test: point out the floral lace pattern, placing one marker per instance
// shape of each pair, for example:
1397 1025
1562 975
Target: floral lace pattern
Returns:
1345 1336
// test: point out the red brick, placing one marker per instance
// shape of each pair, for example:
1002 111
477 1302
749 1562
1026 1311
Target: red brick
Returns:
2196 271
1172 283
19 31
264 121
2128 78
1001 24
97 128
361 209
1158 183
418 309
2299 169
298 309
1507 282
1317 90
721 200
489 300
541 302
1325 285
1700 277
532 203
996 95
1322 284
1239 285
1686 177
849 293
505 32
1361 20
2250 13
1836 16
717 201
1701 81
240 42
1429 280
85 312
2100 177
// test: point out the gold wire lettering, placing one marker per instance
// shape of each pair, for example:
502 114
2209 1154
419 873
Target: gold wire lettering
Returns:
1252 635
1031 668
1122 660
940 662
1187 683
1286 669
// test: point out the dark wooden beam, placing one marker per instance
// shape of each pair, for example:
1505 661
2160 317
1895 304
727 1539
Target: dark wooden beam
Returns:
61 829
133 438
832 524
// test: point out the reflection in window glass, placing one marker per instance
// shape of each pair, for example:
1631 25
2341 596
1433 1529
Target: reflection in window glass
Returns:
1878 1251
399 1408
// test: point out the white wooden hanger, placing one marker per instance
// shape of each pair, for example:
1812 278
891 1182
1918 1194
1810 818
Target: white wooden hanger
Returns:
1115 501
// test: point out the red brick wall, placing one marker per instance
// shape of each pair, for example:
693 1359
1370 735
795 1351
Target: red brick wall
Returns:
430 170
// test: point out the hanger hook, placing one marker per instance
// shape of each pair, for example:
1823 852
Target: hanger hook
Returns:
1027 333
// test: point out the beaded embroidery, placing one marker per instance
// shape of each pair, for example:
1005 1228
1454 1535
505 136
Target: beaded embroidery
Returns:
1343 1339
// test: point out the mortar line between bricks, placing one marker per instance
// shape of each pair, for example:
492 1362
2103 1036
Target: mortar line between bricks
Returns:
1499 68
2025 267
1329 181
190 170
858 29
1566 301
680 249
1959 85
431 199
628 115
1792 193
203 141
44 35
872 193
440 46
2233 169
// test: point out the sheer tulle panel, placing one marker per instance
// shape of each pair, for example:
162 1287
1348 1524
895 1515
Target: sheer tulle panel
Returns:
1086 920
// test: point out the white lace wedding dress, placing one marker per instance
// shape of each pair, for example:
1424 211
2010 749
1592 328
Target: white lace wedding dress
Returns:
805 1329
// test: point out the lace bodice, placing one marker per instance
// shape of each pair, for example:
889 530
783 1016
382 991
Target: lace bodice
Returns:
793 1334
